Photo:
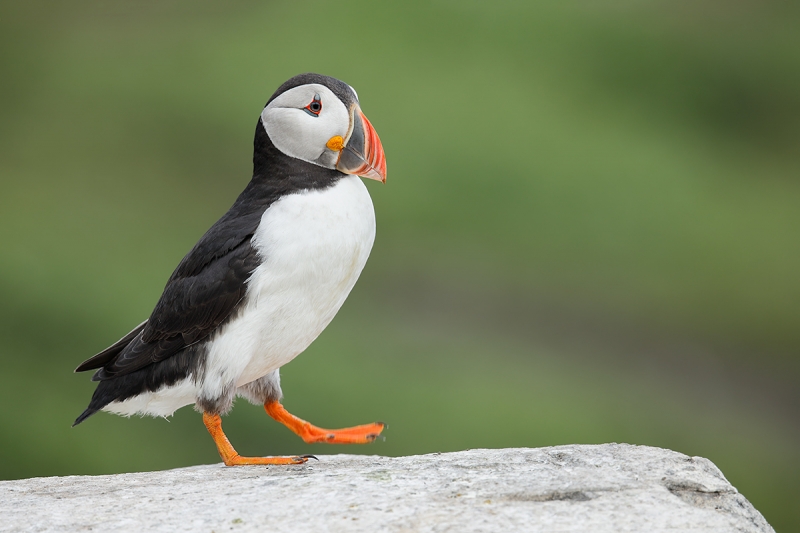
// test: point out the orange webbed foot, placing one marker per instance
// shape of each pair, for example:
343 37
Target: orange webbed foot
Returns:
229 455
238 460
310 433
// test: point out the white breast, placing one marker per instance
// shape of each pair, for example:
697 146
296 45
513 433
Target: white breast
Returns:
314 245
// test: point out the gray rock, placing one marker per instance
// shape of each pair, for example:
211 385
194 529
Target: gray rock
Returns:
604 488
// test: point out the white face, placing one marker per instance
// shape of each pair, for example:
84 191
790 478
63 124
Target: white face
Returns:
296 128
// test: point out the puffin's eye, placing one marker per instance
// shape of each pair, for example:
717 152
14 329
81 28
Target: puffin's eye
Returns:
315 107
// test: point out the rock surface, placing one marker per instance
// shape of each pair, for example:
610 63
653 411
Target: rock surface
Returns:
603 488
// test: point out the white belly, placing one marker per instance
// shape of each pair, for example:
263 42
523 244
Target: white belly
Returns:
314 245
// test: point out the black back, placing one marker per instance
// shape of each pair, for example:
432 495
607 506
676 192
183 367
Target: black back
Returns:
208 285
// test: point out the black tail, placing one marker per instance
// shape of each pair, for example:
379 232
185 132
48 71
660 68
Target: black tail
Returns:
103 358
84 415
105 393
151 378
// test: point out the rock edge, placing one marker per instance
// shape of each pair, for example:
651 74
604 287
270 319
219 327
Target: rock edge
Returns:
598 488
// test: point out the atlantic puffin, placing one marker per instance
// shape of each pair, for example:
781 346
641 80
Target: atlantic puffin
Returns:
264 280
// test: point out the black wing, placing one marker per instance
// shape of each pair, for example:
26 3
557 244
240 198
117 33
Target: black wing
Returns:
211 280
110 353
200 295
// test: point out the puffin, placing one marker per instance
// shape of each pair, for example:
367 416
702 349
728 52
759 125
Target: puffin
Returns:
264 281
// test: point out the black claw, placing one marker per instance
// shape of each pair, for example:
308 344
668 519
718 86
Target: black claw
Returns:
384 424
308 457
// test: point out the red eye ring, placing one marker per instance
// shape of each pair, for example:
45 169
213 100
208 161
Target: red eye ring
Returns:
315 107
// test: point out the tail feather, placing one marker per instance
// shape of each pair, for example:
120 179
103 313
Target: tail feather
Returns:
84 415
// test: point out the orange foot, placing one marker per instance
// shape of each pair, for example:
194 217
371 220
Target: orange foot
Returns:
231 458
310 433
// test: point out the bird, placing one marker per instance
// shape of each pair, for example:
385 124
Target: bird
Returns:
264 281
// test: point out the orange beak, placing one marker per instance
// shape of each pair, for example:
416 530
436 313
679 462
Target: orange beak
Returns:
362 154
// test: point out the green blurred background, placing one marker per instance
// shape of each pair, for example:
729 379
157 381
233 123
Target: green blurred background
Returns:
590 231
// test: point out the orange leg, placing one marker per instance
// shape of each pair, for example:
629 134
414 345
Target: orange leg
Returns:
309 433
231 458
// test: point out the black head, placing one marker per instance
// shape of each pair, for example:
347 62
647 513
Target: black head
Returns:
318 119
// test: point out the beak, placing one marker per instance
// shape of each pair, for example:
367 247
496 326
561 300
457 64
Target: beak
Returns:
362 154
